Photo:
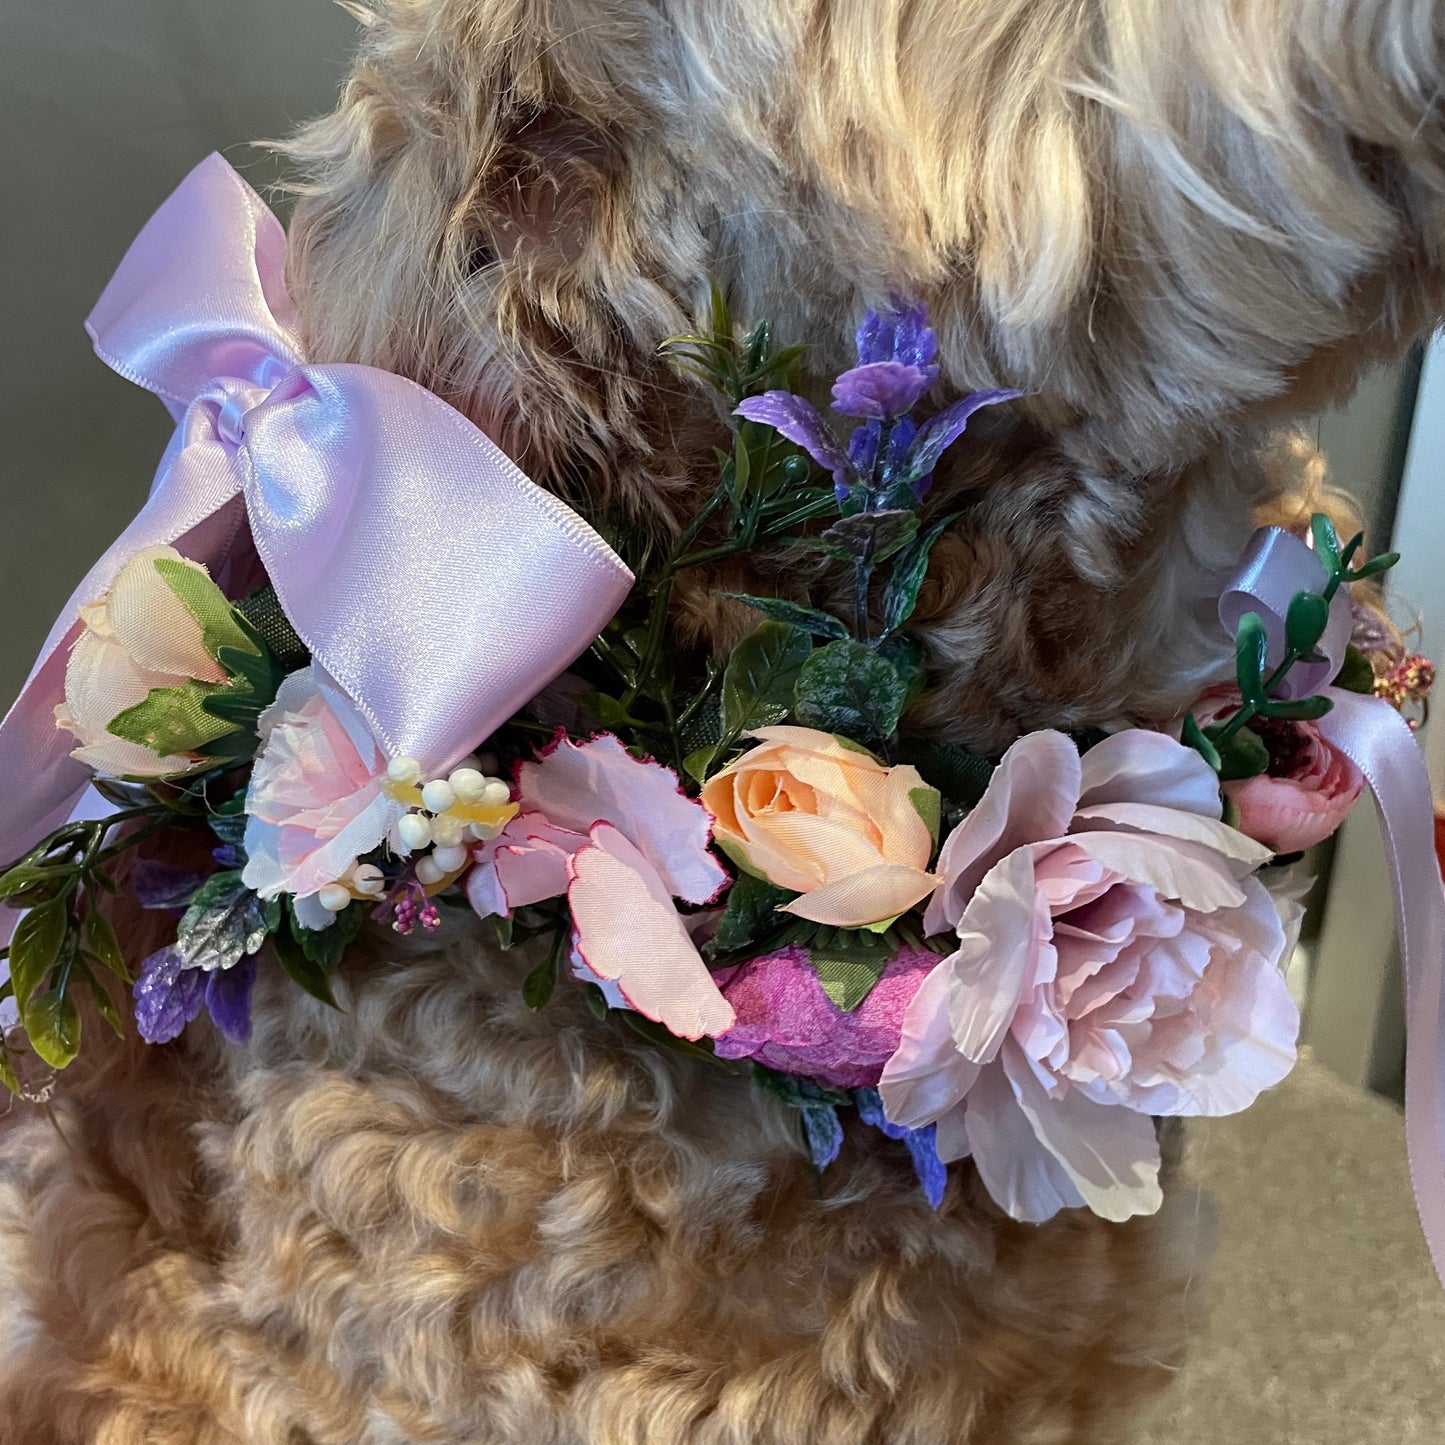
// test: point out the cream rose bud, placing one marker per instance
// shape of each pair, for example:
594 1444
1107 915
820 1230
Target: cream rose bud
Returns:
139 636
828 821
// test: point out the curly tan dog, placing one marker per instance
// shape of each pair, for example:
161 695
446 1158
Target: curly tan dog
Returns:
437 1217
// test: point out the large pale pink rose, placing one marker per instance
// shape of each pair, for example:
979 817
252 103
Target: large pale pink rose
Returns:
829 822
1116 960
1306 794
138 637
317 800
622 840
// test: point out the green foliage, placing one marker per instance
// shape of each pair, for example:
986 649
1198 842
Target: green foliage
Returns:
751 915
220 627
1356 674
959 775
872 536
1251 646
846 687
761 677
849 962
900 595
225 923
1305 622
794 614
798 1092
172 720
929 806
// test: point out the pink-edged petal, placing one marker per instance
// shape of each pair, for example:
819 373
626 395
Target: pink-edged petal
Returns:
998 942
1139 766
1021 1176
629 932
1110 1153
864 898
927 1076
599 781
1171 823
1197 877
1030 798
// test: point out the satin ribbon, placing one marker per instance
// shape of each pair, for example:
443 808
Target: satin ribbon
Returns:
1380 743
428 576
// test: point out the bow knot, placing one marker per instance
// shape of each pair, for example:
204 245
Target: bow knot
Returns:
336 475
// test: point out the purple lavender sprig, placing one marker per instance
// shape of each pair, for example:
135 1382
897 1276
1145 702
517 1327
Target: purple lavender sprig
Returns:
890 458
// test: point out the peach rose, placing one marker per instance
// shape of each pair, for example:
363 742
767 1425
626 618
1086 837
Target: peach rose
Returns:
828 821
1306 793
139 636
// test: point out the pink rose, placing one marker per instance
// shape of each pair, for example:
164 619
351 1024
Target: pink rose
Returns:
317 800
1116 960
787 1022
1308 790
622 840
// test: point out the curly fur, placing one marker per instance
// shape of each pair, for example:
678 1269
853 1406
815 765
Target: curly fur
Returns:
435 1217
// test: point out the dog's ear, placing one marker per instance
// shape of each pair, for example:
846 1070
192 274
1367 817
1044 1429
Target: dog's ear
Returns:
461 222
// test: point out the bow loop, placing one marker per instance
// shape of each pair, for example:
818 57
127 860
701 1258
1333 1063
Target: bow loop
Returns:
428 576
200 294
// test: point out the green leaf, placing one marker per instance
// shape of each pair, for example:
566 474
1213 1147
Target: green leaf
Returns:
900 596
52 1025
1327 542
696 764
228 822
1251 646
794 614
751 912
539 985
100 939
929 806
225 923
849 962
35 948
848 688
873 536
1243 755
172 720
656 1034
303 971
25 876
1300 709
798 1092
7 1071
219 624
1193 737
324 947
607 710
1375 566
1355 675
905 652
105 1005
761 676
1306 620
959 775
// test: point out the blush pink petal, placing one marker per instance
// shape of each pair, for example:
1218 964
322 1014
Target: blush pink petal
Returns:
578 785
1199 879
926 1076
524 864
950 1139
629 932
1172 823
1022 1177
1286 817
1111 1155
1138 766
998 944
871 895
1031 796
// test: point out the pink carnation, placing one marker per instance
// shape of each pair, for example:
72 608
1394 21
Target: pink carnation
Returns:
786 1022
1116 960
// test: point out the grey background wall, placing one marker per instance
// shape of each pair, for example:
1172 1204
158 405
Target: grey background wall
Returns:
104 106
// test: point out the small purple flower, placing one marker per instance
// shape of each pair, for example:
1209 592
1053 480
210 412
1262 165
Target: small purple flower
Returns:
158 885
922 1148
168 995
823 1134
228 999
882 390
890 460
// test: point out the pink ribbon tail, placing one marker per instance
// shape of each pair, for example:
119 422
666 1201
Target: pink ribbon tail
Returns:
428 576
1379 742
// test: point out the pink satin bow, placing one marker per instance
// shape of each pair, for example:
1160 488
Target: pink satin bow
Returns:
1379 742
429 577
